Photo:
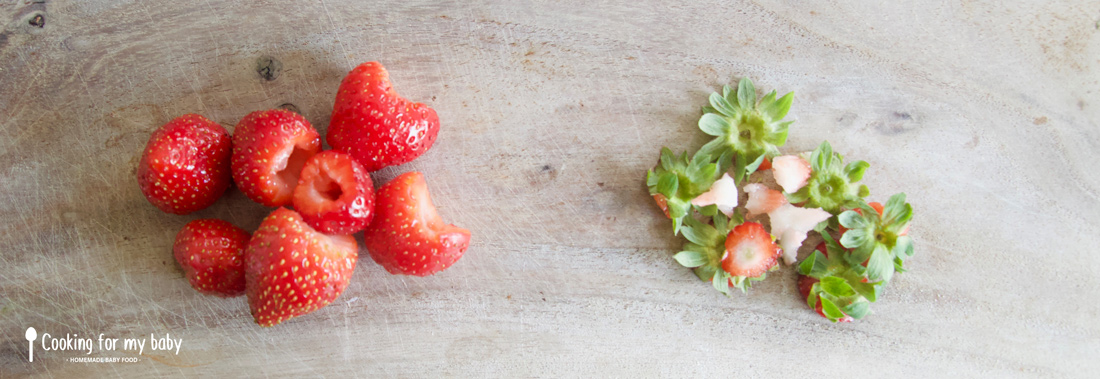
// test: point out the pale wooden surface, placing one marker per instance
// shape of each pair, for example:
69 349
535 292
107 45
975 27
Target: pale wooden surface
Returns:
986 116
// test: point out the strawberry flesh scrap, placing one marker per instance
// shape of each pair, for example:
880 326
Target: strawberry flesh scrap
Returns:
335 194
185 165
762 200
791 172
791 224
722 193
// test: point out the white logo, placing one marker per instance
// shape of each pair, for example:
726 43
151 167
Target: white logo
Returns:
31 336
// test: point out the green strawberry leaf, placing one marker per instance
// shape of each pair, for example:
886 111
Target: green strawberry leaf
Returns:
857 309
688 258
881 264
778 109
714 125
719 103
855 170
746 94
830 309
836 286
668 185
721 282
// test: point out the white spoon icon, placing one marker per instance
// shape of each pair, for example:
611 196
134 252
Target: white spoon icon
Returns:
31 335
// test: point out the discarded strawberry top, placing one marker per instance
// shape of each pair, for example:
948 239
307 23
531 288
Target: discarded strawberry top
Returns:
812 192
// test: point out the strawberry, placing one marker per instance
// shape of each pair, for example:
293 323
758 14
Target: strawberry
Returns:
269 149
750 251
407 236
292 269
375 125
762 199
211 253
791 172
335 194
185 165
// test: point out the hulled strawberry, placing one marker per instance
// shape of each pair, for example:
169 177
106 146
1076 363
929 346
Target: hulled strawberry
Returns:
728 256
751 130
292 269
335 194
375 125
269 149
211 253
878 238
185 165
831 185
407 236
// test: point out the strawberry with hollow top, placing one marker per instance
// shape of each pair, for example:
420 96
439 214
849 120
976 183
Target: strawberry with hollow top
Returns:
335 194
375 125
269 149
407 235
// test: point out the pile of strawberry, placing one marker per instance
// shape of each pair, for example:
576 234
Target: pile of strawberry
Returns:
301 259
729 246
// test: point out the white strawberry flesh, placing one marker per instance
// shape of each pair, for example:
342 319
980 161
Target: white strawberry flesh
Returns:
762 200
791 172
791 224
722 193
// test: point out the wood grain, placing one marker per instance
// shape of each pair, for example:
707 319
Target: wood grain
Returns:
986 115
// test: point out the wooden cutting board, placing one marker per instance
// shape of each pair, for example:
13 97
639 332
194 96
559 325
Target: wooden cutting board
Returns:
988 117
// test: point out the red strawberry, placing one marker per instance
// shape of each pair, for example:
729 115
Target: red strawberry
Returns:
292 269
662 202
185 165
375 125
335 194
269 149
211 252
407 236
750 251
